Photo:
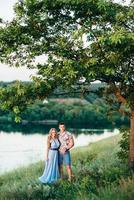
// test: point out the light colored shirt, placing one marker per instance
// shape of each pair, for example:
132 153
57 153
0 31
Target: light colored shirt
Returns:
64 138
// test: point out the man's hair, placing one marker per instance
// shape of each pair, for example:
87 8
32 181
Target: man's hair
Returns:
61 123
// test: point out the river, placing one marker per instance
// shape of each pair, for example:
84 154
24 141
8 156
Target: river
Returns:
18 149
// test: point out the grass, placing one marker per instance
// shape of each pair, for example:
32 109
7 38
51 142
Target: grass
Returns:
99 175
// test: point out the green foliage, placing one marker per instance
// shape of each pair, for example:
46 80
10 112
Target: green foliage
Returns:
123 154
122 192
16 97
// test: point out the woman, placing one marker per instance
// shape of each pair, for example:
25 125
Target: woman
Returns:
51 171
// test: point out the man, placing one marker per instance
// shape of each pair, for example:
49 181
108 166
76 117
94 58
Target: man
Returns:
67 142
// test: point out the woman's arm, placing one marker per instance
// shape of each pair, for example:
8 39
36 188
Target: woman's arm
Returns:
48 147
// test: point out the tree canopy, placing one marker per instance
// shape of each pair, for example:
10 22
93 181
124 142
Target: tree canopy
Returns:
88 39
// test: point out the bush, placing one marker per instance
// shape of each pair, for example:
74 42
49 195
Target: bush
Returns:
123 154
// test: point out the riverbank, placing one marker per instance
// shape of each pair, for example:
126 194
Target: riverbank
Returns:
99 175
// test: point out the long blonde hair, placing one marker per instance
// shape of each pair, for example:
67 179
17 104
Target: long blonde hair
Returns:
50 136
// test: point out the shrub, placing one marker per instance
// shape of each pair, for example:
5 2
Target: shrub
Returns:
123 153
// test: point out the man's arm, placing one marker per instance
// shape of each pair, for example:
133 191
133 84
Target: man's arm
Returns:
71 143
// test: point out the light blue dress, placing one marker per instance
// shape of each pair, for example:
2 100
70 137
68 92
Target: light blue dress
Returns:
51 171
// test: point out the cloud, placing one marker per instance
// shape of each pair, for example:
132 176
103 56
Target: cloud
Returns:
11 73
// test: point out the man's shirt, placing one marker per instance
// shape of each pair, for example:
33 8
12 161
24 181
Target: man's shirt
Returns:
65 138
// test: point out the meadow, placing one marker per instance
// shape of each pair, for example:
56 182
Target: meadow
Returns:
98 175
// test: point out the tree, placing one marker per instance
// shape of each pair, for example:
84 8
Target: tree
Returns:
84 41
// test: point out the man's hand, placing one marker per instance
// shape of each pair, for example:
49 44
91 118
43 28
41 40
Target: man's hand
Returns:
62 150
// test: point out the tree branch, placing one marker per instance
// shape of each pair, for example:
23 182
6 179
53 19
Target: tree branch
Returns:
118 95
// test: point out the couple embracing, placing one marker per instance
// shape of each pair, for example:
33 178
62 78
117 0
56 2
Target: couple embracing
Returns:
58 154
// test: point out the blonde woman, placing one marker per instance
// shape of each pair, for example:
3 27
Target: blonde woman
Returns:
51 171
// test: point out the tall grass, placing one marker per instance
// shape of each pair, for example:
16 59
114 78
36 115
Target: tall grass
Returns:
99 174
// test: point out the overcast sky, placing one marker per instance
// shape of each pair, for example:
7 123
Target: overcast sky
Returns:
9 73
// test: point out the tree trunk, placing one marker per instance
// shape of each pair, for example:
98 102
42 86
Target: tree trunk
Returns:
131 148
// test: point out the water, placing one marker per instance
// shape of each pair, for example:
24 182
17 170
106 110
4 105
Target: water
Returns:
18 149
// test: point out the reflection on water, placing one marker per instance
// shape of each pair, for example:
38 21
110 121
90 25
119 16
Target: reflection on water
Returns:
43 129
26 129
17 149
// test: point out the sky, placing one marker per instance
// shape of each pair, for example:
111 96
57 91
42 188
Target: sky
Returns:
10 73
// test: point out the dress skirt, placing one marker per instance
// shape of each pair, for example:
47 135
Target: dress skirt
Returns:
51 171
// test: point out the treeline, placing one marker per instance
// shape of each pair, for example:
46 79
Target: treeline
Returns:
80 112
92 111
